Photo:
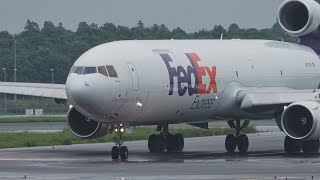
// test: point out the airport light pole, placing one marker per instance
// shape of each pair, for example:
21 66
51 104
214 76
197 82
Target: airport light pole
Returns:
5 95
51 76
15 67
4 74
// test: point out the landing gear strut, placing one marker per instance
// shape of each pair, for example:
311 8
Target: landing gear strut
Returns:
165 141
119 150
237 139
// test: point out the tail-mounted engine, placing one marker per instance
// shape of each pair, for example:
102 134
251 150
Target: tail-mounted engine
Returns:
299 17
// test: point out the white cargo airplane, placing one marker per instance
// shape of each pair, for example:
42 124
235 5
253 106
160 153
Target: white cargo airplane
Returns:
162 82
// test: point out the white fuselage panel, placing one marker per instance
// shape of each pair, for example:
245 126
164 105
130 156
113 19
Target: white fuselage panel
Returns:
185 80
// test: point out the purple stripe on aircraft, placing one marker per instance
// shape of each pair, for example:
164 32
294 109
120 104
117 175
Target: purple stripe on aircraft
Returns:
312 40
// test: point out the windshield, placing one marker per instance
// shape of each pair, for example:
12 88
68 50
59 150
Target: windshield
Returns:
90 70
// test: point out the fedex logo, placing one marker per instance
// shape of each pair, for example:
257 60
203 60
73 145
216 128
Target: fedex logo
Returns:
184 76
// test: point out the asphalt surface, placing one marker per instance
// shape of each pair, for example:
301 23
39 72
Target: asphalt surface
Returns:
203 158
264 125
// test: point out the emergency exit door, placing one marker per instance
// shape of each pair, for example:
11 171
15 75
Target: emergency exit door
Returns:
134 77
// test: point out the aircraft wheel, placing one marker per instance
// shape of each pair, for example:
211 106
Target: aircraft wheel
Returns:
124 152
292 145
309 147
152 143
171 143
231 143
180 142
115 152
156 143
243 143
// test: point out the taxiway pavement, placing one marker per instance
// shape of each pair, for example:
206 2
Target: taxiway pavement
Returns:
263 125
203 158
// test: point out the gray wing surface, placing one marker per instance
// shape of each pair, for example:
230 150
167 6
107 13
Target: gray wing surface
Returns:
57 91
263 101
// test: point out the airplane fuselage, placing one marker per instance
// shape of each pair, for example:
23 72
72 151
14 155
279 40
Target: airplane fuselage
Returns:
176 81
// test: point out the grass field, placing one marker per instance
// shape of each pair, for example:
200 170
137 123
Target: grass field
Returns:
26 139
32 119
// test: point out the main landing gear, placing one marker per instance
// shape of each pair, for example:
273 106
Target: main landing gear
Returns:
165 141
237 140
118 149
295 146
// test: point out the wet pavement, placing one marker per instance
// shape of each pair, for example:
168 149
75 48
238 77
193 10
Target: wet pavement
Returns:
263 125
203 158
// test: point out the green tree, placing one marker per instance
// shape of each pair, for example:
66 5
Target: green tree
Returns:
31 26
179 33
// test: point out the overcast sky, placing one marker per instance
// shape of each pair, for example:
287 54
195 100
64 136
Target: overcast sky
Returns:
191 15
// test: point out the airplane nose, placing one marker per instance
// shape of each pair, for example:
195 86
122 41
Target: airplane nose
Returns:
94 96
80 92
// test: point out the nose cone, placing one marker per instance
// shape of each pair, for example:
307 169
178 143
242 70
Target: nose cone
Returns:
81 94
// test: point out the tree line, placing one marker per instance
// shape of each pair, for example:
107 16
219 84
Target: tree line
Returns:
38 50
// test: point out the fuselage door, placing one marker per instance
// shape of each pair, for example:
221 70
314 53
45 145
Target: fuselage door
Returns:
134 77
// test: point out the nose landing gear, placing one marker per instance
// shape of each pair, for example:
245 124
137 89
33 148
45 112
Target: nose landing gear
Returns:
118 149
237 140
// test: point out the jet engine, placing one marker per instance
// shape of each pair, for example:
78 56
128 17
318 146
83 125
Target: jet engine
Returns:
299 17
83 127
301 120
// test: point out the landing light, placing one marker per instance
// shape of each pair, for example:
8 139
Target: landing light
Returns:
70 106
139 104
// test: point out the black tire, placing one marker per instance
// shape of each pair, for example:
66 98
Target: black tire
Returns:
231 143
156 143
171 143
115 152
151 143
292 145
180 142
310 147
162 143
243 143
124 152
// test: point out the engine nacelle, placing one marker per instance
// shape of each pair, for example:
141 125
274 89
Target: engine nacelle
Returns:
83 127
301 120
299 17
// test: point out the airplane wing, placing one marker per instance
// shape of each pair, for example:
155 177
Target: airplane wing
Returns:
262 101
57 91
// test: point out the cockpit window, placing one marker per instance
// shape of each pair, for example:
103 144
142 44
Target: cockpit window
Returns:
72 69
90 70
112 72
102 70
78 70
